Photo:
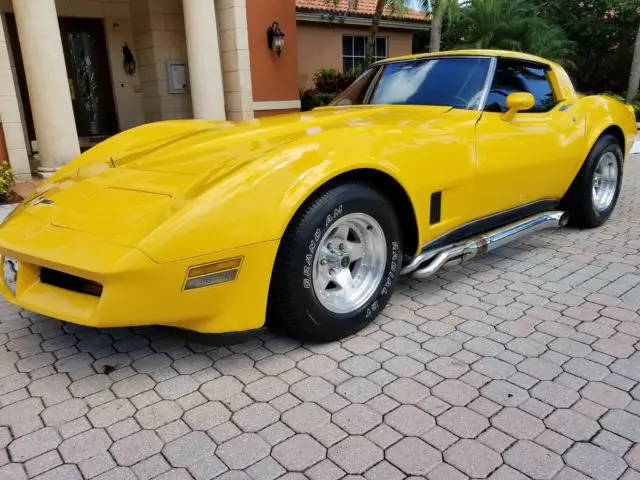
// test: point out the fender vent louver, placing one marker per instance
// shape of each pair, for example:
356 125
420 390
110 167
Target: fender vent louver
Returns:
436 208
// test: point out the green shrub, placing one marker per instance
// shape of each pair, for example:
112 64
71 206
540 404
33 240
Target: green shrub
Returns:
6 179
620 98
325 98
308 99
327 84
329 80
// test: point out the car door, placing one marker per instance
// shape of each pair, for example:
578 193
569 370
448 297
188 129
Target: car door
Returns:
532 157
438 155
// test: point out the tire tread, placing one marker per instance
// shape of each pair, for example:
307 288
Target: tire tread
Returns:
280 310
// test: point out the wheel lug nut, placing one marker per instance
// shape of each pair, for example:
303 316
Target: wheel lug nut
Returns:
341 246
329 246
323 261
332 271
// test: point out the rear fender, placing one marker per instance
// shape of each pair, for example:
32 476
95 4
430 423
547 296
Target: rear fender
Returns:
606 114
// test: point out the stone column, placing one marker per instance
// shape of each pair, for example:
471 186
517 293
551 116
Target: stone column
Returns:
234 50
47 81
205 72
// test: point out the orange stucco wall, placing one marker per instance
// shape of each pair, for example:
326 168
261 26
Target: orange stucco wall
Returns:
270 113
273 78
320 46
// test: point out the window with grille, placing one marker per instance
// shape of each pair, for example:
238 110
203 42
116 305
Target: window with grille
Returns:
354 48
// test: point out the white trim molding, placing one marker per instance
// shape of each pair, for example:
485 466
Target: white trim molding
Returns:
362 21
277 105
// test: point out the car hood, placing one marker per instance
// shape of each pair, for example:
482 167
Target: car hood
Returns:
140 181
228 145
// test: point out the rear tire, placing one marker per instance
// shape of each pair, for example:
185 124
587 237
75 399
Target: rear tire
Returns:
594 192
337 264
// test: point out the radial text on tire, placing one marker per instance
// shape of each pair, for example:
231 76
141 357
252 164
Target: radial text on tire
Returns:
337 263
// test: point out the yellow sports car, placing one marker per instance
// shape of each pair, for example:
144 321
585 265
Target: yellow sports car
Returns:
305 221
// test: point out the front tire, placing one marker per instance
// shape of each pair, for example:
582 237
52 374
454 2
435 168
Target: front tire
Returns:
594 192
337 264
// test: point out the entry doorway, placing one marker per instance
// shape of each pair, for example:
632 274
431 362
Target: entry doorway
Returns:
87 64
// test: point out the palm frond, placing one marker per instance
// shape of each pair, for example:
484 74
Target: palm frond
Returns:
512 25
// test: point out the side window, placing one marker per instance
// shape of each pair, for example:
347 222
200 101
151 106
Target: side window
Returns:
354 48
355 93
514 76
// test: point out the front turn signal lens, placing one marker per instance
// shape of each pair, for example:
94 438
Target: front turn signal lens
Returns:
215 267
213 273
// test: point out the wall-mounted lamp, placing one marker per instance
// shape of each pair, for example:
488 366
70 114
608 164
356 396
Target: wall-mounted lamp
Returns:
275 38
128 61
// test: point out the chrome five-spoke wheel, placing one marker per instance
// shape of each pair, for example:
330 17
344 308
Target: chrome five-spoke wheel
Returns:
349 263
337 263
605 181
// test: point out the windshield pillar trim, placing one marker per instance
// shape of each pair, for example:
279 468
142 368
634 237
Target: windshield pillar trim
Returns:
487 84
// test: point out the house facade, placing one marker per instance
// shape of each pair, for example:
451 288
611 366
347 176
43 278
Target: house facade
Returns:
74 72
335 35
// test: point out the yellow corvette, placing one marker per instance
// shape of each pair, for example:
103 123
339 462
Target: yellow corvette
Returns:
305 221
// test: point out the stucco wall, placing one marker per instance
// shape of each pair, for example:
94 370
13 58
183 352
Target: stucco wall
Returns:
159 35
126 88
10 114
273 78
320 46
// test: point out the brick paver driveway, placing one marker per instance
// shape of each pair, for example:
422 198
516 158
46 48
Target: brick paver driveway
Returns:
522 364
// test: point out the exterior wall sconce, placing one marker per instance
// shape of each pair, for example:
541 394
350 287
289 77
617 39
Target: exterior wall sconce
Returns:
275 38
128 61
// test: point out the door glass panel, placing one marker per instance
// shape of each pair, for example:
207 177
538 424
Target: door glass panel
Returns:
86 82
514 76
87 63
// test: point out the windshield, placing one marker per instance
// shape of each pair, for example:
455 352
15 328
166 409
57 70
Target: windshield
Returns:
452 81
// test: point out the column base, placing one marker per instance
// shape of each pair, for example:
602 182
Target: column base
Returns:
46 172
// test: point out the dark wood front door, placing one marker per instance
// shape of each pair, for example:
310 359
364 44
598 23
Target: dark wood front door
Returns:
87 64
85 52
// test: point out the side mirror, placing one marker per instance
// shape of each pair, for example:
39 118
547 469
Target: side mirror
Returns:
518 102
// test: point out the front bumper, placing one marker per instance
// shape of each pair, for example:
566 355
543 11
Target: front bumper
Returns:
136 290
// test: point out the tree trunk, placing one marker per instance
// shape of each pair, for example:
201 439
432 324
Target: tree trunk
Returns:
373 32
436 30
634 77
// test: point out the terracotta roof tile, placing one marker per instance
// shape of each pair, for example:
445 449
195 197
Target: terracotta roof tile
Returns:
365 8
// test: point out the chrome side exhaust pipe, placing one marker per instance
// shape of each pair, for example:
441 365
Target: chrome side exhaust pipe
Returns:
429 262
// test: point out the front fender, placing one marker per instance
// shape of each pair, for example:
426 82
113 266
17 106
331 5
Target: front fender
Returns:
256 203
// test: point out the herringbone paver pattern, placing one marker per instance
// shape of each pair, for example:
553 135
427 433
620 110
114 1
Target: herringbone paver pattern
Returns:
523 364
